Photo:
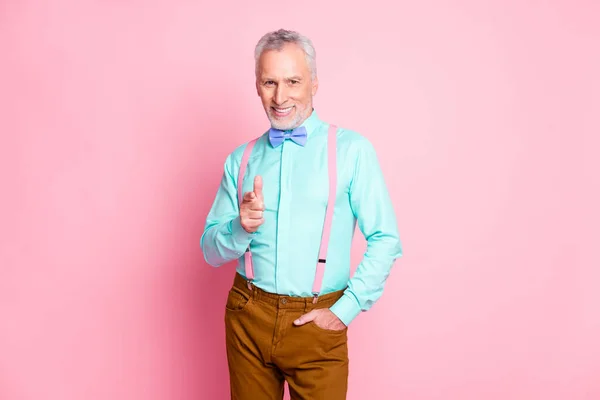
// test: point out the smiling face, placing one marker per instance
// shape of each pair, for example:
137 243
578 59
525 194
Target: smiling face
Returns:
285 86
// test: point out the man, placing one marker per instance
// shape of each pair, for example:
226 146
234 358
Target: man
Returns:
292 299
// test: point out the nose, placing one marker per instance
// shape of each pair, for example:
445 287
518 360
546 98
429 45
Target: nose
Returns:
280 95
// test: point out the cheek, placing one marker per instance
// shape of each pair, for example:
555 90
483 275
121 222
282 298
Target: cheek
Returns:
308 91
301 96
264 97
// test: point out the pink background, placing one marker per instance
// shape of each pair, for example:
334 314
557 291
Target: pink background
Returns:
116 118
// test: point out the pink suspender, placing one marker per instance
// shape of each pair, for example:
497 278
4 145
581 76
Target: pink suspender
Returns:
331 161
332 167
243 165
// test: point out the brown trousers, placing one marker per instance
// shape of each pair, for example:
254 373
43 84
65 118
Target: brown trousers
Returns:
265 348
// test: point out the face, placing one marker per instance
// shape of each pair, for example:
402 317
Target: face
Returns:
285 86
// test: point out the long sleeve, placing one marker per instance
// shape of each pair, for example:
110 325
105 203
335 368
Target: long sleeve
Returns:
224 239
372 206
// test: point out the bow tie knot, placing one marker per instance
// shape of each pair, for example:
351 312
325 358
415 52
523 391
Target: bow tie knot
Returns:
298 135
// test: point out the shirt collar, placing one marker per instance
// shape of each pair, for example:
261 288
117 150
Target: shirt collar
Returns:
312 123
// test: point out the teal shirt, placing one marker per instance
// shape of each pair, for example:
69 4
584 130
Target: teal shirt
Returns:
295 188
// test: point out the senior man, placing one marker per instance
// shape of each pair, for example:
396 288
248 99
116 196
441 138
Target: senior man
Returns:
286 210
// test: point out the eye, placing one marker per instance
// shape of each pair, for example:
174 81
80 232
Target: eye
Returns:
294 82
269 83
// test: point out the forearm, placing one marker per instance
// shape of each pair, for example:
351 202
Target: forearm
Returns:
367 284
224 242
376 217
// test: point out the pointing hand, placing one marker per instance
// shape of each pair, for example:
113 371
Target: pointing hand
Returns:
252 207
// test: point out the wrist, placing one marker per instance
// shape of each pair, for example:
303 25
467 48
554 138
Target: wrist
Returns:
346 308
240 235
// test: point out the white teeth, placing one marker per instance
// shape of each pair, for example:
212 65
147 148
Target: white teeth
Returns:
283 110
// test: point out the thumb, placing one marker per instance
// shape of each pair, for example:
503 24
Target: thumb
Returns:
310 316
258 186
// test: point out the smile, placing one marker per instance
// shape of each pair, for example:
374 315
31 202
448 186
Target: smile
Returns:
282 112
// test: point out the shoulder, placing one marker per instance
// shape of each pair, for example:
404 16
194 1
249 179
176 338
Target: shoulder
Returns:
234 158
354 144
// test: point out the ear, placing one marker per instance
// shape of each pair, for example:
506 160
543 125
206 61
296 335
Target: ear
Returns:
315 85
257 90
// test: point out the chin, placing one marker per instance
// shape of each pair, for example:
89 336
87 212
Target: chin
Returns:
289 122
281 125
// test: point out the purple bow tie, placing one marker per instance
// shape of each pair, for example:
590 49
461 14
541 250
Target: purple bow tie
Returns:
277 136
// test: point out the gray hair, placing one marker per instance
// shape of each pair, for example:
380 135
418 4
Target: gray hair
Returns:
277 39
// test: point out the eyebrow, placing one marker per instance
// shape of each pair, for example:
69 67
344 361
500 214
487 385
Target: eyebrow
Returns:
291 78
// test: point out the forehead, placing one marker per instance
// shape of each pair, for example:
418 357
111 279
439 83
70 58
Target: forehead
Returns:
289 61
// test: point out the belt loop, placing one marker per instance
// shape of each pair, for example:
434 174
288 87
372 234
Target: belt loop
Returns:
250 285
315 298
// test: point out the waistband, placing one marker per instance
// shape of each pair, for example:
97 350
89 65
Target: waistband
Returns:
285 301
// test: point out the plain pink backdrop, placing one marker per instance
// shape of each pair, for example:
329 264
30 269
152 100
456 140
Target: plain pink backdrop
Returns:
115 120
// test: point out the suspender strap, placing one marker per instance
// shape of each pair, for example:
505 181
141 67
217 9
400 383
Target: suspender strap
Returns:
332 167
243 165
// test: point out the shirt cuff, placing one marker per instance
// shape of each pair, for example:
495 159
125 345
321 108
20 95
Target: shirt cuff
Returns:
346 308
240 235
